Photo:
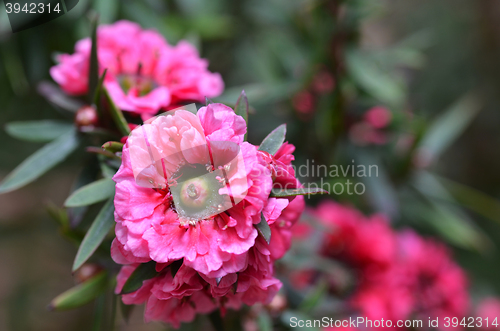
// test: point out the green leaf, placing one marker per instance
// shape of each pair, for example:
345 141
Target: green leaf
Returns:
43 131
374 79
274 140
279 193
449 126
241 108
117 115
264 229
143 272
80 294
40 162
473 199
449 221
91 193
113 146
96 234
94 63
98 90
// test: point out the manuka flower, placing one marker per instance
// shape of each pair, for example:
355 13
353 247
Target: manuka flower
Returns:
144 73
190 192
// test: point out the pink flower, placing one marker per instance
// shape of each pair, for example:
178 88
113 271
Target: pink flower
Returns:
174 167
144 73
304 102
360 241
398 274
440 285
378 117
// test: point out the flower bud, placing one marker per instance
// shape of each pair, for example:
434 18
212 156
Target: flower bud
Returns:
86 116
86 271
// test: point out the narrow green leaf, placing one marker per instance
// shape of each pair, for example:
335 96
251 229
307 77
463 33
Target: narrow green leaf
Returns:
99 309
450 125
113 146
94 64
80 294
60 215
274 140
91 193
473 199
103 152
43 131
117 115
143 272
96 234
279 193
451 222
241 108
40 162
98 90
264 229
374 78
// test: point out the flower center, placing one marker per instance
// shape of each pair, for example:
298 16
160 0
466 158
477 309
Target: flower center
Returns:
194 193
141 85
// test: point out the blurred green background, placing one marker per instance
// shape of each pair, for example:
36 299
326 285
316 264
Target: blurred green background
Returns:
417 58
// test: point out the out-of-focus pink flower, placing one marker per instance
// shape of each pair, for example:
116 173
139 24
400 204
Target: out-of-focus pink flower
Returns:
378 117
363 133
304 102
361 241
144 73
440 285
398 274
489 310
323 82
225 263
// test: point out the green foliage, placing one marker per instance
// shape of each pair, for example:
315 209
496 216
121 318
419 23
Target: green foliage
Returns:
80 294
40 162
101 226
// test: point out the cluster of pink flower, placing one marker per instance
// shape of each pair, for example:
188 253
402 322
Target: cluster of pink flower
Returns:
400 275
144 73
219 261
304 101
371 129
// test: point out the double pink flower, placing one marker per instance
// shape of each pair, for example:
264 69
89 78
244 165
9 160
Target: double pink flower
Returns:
145 74
223 260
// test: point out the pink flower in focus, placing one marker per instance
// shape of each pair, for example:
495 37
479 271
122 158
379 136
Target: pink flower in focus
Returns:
144 73
225 263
